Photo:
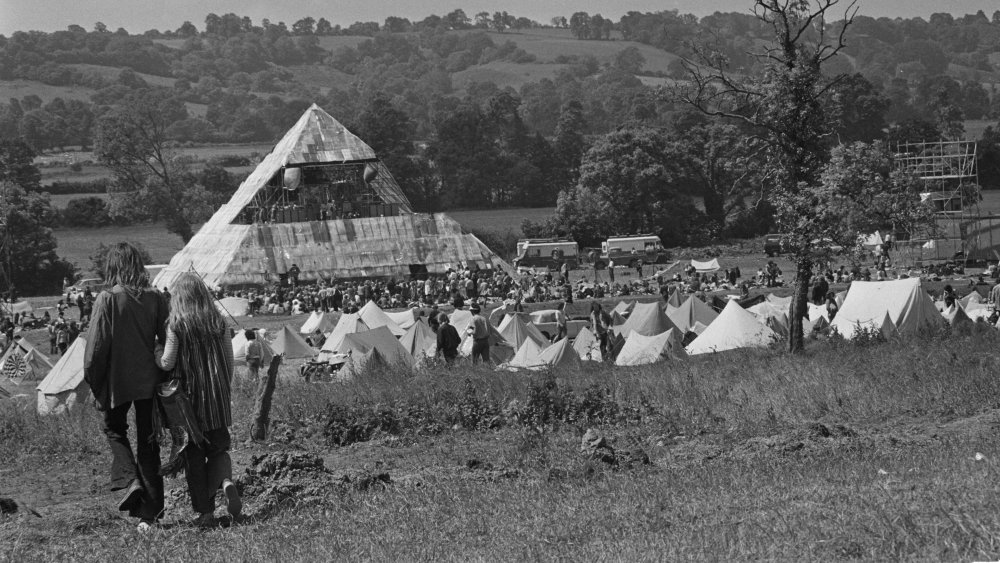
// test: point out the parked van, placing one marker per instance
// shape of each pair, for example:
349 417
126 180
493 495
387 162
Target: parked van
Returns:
631 249
549 252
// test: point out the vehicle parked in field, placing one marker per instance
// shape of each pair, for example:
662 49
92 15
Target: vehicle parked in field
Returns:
95 285
775 245
630 250
546 322
547 252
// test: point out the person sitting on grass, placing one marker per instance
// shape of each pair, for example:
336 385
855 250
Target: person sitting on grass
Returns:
198 351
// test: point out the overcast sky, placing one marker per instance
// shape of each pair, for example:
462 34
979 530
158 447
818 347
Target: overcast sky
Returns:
140 15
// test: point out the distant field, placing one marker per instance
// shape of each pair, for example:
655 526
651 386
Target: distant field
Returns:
88 173
974 127
499 220
505 74
547 44
20 88
76 245
321 76
112 72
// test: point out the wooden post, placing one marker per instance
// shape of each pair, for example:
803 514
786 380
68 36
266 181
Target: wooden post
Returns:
265 392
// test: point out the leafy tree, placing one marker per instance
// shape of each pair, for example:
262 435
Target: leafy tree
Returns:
305 26
913 131
627 185
131 141
630 60
579 25
17 165
859 109
91 211
785 105
34 266
988 156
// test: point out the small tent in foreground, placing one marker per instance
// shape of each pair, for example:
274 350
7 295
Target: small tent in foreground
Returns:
515 331
734 328
381 339
692 311
291 345
587 346
557 355
908 306
641 350
64 386
647 319
420 341
349 323
320 321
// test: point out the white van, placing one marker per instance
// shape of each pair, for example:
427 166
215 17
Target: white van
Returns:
550 252
629 250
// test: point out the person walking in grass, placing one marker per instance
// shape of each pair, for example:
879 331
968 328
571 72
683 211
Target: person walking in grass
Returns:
448 339
479 329
198 351
120 367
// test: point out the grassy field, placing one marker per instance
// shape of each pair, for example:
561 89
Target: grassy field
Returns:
876 452
20 88
505 74
112 72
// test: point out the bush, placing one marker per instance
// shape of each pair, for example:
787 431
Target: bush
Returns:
86 212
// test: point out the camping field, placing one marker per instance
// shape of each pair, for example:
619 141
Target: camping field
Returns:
874 451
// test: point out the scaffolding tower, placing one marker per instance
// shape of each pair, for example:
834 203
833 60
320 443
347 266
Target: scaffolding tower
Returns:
950 177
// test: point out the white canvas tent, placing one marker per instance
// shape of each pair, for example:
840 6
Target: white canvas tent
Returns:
908 306
375 317
587 346
706 267
641 350
233 306
291 345
64 386
647 319
403 319
349 323
557 355
734 328
420 341
320 321
381 339
515 331
690 312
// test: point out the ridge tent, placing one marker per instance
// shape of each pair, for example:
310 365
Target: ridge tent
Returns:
64 386
818 312
706 267
526 356
641 350
617 319
971 299
320 321
735 327
559 354
403 319
698 328
381 339
647 319
461 319
23 362
349 323
692 311
908 305
544 316
291 344
587 346
236 248
780 325
233 306
375 317
956 315
420 341
674 297
515 331
500 349
240 348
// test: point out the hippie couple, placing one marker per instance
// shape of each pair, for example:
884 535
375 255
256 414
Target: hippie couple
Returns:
172 363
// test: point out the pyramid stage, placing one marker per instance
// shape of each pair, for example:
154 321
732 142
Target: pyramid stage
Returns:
323 201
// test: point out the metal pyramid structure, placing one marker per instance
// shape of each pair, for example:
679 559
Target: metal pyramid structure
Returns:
270 224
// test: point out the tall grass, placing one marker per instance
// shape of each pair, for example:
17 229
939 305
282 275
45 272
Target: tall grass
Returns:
845 452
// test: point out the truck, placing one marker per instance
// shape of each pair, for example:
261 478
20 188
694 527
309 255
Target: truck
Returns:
629 250
547 252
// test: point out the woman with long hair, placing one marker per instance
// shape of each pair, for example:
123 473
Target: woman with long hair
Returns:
120 367
199 352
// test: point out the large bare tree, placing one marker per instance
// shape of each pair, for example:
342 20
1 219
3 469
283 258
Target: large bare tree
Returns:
783 102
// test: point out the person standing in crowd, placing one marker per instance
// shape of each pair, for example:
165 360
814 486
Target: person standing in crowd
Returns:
198 351
611 270
120 367
255 354
480 331
448 339
600 323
